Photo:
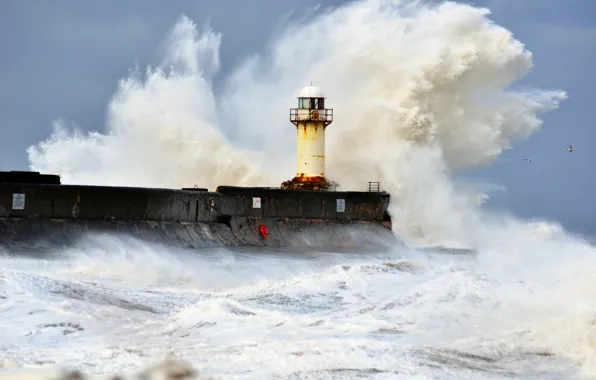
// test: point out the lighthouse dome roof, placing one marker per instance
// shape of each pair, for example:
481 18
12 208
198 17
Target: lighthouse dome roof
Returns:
311 92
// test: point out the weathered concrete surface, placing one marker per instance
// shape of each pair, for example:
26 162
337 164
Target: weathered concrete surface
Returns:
17 234
319 233
102 202
48 215
306 204
32 234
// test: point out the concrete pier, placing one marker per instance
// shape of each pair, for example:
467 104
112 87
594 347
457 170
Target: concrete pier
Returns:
47 214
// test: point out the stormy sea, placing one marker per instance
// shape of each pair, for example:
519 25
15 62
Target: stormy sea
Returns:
421 93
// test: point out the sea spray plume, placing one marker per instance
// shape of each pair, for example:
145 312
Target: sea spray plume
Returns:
162 130
420 91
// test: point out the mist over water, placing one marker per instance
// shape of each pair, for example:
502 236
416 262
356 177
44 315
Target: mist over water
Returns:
420 92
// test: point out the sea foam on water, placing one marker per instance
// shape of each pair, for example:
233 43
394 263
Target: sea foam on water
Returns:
167 370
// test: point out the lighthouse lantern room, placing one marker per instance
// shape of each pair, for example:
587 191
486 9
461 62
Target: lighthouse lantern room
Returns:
311 118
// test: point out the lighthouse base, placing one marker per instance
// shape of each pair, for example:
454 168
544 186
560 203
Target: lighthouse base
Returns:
303 182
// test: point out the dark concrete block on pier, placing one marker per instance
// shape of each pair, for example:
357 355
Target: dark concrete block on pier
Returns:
110 203
29 177
277 203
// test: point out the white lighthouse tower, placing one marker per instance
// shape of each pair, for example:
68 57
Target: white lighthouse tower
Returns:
310 118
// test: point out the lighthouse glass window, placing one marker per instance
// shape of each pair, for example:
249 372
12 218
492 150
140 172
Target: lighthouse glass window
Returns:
316 103
311 103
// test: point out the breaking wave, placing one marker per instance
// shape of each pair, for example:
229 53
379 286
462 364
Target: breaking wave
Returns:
419 91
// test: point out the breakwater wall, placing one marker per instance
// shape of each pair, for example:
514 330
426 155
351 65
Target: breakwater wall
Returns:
230 216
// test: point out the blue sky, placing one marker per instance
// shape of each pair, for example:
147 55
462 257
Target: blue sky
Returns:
63 59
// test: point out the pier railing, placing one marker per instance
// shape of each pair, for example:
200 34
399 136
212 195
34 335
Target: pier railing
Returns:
374 187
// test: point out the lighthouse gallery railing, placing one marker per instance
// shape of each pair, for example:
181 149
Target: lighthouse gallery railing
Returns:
301 114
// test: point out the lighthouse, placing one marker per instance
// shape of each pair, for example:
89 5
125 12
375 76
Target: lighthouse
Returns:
311 118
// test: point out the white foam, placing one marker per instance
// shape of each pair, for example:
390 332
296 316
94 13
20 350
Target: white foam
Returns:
303 316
